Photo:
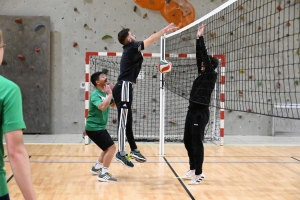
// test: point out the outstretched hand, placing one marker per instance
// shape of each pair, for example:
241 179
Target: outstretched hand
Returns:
170 28
200 31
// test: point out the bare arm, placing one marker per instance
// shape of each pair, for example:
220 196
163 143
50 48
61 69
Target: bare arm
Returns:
19 162
104 104
154 37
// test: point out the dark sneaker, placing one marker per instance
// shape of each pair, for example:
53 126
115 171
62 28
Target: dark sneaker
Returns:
107 177
95 171
125 160
138 156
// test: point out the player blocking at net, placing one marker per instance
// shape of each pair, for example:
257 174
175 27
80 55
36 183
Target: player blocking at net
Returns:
198 110
130 66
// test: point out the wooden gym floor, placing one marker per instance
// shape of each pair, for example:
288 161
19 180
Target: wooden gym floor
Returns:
232 172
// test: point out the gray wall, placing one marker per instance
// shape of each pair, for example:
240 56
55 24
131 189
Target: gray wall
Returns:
103 17
68 63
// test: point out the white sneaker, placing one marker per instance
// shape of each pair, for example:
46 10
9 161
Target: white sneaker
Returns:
189 174
197 179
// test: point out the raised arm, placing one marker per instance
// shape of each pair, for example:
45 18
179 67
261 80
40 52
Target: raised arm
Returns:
202 50
154 37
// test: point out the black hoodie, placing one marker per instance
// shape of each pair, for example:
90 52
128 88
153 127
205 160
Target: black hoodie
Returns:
204 84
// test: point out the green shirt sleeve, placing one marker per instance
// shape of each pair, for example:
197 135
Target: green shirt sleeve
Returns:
12 110
96 99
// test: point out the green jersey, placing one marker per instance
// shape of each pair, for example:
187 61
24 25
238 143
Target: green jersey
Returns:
11 118
97 119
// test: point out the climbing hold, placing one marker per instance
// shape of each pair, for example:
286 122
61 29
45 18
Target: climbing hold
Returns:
259 83
75 9
106 37
249 110
231 33
105 48
242 18
114 121
18 20
154 100
85 25
173 122
279 73
241 93
105 71
240 116
212 34
298 52
231 77
145 15
278 84
242 71
279 8
134 8
153 110
259 28
21 57
154 76
133 110
229 111
144 116
222 18
241 7
38 27
75 44
250 77
288 24
37 49
297 82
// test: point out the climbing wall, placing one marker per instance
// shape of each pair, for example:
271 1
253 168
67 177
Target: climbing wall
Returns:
27 63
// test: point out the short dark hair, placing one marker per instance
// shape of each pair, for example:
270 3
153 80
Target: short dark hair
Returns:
122 35
214 61
95 77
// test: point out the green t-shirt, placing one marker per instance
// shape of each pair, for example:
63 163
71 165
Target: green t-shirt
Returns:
11 118
97 119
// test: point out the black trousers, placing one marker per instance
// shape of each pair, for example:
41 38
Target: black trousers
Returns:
122 94
195 123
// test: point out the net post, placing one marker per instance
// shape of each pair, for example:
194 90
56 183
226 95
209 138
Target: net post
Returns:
87 140
222 58
162 101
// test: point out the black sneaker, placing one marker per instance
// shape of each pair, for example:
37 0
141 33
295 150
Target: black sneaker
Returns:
137 155
125 160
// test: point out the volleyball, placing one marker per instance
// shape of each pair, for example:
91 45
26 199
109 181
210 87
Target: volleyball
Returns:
164 66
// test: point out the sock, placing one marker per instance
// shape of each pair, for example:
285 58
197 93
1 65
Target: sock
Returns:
98 165
136 150
104 170
122 153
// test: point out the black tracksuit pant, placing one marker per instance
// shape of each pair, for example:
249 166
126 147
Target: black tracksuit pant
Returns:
196 120
122 94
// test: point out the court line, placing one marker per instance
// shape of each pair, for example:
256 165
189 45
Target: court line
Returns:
180 181
295 159
12 175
